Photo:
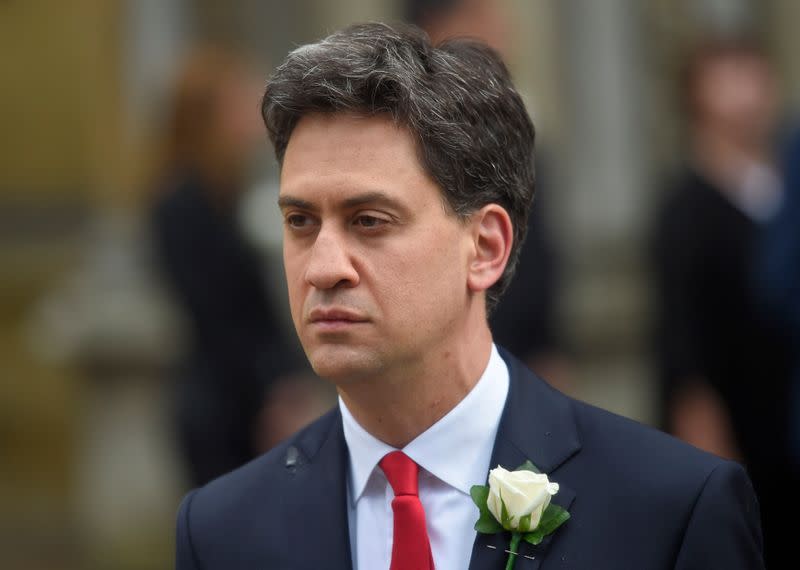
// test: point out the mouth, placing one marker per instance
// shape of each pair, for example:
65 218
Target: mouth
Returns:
335 319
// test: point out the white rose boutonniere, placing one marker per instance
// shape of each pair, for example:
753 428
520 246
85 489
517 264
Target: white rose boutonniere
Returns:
518 502
525 494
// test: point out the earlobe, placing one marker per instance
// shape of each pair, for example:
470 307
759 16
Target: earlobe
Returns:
493 235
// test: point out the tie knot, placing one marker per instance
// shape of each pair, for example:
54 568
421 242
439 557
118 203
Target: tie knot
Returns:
402 473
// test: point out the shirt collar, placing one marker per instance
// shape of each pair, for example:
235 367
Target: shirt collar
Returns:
457 449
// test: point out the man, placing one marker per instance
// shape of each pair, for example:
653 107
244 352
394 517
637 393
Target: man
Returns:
405 188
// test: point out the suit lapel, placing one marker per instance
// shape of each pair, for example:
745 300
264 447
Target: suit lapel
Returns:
537 425
316 469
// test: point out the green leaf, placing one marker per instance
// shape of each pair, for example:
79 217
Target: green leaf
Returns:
533 538
549 514
528 466
552 518
486 523
479 494
524 523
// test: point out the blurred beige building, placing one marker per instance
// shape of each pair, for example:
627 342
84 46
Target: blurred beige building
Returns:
88 473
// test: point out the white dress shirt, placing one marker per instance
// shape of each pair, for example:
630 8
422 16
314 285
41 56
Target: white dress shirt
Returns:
453 455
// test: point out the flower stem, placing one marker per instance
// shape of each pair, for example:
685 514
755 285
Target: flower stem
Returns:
515 538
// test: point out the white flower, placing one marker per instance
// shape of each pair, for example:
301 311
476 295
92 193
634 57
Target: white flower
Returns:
523 492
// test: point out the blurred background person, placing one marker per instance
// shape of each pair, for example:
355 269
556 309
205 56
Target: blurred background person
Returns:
780 280
723 362
237 346
525 320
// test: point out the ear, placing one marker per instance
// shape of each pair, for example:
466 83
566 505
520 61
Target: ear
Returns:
492 235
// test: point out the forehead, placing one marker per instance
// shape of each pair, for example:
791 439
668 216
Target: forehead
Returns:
378 129
334 154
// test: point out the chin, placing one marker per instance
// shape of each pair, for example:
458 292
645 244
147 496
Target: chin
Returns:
340 364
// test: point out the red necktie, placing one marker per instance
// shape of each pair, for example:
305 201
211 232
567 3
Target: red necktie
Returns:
411 548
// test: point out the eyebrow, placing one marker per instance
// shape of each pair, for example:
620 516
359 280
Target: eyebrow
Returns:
371 198
353 202
290 201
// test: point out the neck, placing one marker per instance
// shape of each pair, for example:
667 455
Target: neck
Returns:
399 406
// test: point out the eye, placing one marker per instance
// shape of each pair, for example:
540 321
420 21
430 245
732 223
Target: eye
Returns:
296 220
367 221
299 221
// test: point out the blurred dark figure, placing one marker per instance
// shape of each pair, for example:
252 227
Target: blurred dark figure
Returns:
524 321
780 278
236 343
723 362
486 20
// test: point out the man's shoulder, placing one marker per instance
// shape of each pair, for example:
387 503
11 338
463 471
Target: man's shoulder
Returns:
237 492
649 464
611 446
624 439
245 519
604 439
676 501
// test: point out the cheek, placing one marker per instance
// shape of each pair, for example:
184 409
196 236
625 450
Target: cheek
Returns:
425 279
293 269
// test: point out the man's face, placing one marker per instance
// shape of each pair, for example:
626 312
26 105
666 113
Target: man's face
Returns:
376 267
738 95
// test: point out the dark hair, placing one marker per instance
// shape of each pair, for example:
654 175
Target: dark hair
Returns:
474 136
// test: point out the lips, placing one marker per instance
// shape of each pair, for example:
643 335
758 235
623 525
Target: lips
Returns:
335 316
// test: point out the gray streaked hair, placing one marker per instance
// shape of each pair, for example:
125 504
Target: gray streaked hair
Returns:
474 136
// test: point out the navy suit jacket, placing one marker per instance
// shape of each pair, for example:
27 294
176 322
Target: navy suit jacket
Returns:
639 499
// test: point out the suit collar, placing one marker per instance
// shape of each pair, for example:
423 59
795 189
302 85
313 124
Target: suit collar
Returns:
537 421
316 467
538 424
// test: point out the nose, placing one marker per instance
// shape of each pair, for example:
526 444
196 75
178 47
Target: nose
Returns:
330 264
